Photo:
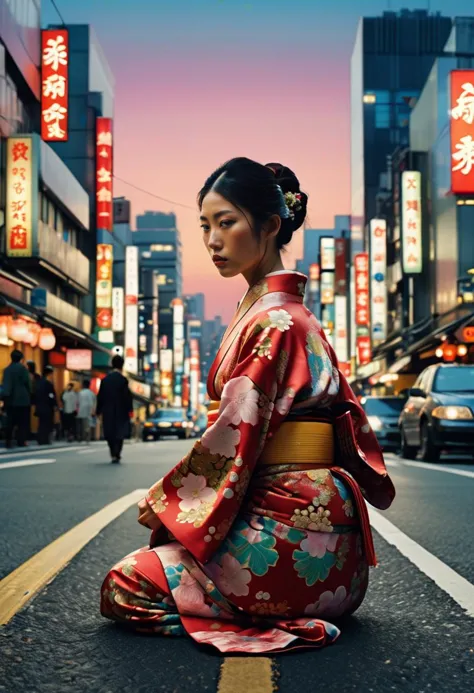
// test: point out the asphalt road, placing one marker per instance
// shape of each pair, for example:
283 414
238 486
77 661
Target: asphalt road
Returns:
409 635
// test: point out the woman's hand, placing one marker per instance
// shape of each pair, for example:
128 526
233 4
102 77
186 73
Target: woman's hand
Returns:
147 517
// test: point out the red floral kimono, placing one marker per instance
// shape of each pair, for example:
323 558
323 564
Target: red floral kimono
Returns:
256 558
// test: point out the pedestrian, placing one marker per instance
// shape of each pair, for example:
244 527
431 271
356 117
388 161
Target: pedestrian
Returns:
46 406
115 405
17 398
34 378
85 412
270 534
70 401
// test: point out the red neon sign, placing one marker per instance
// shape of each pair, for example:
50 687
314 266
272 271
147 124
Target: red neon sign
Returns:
462 131
362 309
54 85
104 173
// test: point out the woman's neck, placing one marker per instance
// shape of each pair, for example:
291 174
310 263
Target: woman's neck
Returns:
273 264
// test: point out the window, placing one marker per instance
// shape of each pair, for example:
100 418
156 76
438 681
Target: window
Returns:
454 379
382 116
161 279
162 248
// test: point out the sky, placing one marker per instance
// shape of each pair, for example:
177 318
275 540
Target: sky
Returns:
198 82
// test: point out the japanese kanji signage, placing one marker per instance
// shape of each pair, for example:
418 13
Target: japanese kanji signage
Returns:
131 309
104 286
104 173
378 279
362 312
327 253
341 270
22 196
54 85
341 342
327 288
364 352
462 131
118 319
411 222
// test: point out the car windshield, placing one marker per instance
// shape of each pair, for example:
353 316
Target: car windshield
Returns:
170 415
456 379
383 406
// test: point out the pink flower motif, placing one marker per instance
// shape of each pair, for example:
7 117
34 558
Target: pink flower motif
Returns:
221 439
239 402
283 405
230 577
194 491
330 605
267 641
317 543
189 597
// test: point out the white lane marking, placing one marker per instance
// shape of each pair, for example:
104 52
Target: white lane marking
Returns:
88 451
391 463
38 450
438 468
458 588
25 463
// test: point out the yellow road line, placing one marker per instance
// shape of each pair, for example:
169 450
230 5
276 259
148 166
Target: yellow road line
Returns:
244 674
17 588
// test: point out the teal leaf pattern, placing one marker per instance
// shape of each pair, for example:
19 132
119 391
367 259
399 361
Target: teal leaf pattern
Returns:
258 557
312 568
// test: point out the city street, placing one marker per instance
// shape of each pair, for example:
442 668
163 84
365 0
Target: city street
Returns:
409 635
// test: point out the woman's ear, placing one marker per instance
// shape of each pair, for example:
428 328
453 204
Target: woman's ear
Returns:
272 226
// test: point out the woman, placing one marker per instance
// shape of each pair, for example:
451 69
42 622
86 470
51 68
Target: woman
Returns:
260 533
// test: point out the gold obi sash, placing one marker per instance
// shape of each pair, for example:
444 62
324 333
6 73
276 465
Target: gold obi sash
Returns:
296 442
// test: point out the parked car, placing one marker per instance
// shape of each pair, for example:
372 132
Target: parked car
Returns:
439 414
167 422
383 414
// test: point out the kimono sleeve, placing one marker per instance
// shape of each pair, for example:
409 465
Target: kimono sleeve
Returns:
201 497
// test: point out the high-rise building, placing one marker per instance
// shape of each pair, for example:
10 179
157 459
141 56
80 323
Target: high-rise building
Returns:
392 58
160 259
195 304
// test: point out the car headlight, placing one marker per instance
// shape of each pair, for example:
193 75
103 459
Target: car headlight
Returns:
453 413
148 424
375 423
164 424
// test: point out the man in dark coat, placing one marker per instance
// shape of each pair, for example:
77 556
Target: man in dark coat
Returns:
46 404
17 398
115 405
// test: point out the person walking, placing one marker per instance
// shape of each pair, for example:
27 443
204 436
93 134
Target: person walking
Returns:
46 404
86 410
17 398
114 404
34 377
70 400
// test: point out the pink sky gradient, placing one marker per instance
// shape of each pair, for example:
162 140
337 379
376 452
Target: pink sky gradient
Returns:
246 110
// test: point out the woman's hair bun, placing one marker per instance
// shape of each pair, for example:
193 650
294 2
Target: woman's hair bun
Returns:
289 183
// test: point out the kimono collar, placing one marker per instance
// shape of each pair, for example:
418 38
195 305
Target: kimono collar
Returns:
283 281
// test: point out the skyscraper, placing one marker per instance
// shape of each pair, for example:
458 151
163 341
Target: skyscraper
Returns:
392 58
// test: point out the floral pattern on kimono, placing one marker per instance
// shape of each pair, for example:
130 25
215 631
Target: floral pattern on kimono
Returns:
253 558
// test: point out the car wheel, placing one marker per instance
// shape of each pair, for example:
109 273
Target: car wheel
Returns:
407 451
428 450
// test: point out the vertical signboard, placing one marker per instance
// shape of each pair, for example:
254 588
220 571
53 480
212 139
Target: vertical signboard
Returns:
341 266
411 222
118 316
341 337
327 253
166 374
194 375
462 132
104 173
103 291
362 312
131 309
378 279
361 267
54 85
155 330
22 196
327 288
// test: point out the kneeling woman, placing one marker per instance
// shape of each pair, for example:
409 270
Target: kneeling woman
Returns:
260 534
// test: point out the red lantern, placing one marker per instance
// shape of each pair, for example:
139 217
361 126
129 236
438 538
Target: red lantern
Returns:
47 340
18 330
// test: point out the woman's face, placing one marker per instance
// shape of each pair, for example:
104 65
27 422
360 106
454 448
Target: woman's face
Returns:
229 238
